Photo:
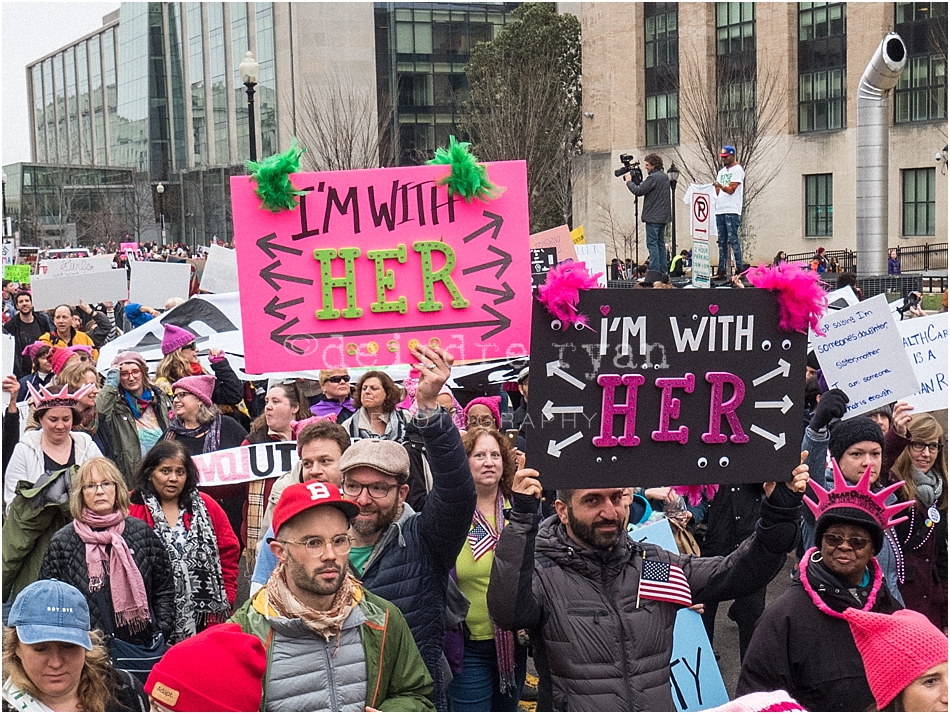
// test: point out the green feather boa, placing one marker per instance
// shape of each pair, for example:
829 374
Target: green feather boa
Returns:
272 176
468 178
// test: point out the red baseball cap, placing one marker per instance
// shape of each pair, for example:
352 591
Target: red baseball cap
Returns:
300 497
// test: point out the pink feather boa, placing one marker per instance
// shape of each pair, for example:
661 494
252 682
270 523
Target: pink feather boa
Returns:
802 300
694 493
561 291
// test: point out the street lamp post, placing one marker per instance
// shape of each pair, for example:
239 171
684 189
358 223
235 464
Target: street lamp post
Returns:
250 69
674 174
160 190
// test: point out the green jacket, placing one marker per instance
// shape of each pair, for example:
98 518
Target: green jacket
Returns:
36 513
115 412
396 677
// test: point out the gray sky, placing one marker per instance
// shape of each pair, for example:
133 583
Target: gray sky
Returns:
31 30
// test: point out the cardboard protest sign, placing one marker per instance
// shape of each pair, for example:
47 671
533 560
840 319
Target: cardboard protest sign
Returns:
577 236
594 255
9 252
381 259
6 354
153 283
925 339
558 238
220 271
246 463
666 387
17 273
694 675
104 286
76 266
862 354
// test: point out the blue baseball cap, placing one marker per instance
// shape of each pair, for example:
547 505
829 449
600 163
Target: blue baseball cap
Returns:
51 611
728 151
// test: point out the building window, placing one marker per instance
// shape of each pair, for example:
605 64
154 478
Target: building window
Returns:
661 73
919 201
822 66
818 205
921 93
735 27
663 124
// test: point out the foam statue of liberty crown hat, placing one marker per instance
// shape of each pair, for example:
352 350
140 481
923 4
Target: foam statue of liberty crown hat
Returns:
45 399
856 504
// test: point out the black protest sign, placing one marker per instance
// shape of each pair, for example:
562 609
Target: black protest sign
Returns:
665 387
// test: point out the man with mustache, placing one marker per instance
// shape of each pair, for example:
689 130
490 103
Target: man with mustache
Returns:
331 645
599 607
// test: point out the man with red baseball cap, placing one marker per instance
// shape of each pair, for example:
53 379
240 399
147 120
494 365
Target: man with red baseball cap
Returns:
323 631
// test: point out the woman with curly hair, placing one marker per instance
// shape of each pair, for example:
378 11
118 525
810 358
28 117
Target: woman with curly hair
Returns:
493 663
921 463
376 415
194 529
52 662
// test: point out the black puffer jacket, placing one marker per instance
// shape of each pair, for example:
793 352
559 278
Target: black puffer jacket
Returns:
65 560
808 653
596 646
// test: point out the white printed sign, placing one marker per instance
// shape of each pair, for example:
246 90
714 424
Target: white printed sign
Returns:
863 355
595 256
108 285
220 273
6 353
153 283
701 270
701 199
76 266
925 339
9 254
246 463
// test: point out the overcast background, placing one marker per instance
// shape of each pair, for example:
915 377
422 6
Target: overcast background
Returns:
31 30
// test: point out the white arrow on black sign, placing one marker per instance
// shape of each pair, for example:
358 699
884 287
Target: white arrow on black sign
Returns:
782 369
554 447
554 370
779 440
785 404
549 410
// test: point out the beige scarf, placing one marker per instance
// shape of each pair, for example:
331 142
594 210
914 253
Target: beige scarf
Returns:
326 623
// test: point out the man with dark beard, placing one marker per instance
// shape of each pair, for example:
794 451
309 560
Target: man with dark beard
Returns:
599 607
399 554
323 632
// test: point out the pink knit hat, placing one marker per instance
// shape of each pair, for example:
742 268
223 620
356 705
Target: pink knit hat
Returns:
58 357
135 357
777 701
32 349
174 338
896 649
202 386
493 404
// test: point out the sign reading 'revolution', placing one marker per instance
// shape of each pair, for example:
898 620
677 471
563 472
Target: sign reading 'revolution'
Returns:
373 261
666 387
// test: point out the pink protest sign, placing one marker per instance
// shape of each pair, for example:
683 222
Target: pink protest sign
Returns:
133 246
374 261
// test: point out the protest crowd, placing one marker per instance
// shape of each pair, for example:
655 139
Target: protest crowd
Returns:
402 551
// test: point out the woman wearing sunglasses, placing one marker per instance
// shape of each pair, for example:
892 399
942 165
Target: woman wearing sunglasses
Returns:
180 360
915 446
336 399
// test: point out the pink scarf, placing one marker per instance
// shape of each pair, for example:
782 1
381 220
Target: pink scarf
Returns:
129 600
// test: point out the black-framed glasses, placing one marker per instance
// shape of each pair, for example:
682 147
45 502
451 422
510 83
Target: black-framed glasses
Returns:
834 540
918 447
376 490
180 396
337 378
316 546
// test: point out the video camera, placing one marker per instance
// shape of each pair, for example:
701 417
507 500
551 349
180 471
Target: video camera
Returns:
630 167
911 300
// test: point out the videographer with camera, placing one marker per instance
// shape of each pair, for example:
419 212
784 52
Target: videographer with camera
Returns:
655 189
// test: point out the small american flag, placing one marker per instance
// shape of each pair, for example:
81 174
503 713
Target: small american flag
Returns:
665 582
482 537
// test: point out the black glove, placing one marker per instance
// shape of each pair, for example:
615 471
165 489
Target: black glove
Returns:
524 503
833 405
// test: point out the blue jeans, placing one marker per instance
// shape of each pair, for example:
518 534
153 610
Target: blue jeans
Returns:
728 226
657 247
476 688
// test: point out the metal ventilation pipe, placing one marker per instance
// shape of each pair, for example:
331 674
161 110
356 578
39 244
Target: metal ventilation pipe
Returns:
878 80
